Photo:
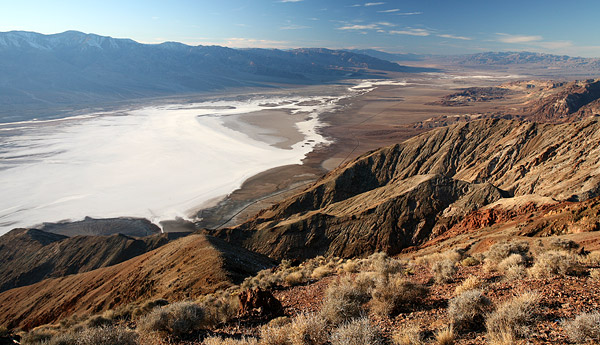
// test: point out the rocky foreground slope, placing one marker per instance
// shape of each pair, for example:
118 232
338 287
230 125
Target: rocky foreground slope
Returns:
400 196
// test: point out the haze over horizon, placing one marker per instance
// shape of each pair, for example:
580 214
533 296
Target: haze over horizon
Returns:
432 27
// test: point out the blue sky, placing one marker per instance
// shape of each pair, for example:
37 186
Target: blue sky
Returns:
438 27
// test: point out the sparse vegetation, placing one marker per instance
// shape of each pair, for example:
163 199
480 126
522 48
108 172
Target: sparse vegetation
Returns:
502 250
409 334
584 328
467 310
390 295
471 283
178 319
308 329
443 271
445 336
229 341
563 244
512 319
555 263
513 267
343 301
107 335
358 331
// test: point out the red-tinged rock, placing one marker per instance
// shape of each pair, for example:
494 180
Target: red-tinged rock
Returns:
257 302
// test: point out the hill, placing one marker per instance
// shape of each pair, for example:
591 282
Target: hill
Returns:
185 268
403 195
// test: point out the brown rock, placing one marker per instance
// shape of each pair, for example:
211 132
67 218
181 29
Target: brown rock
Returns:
257 302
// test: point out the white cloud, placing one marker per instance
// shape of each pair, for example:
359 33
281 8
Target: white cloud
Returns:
386 24
290 0
390 11
294 27
506 38
374 3
358 27
455 37
411 32
409 13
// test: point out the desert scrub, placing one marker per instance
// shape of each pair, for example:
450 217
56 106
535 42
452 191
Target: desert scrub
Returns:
108 335
4 332
148 306
511 320
562 244
343 301
178 319
502 250
513 267
443 271
584 328
555 263
322 271
592 259
37 337
307 329
471 283
428 260
392 294
469 261
220 307
408 334
445 336
358 331
467 311
98 321
229 341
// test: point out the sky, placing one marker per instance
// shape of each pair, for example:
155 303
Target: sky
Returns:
401 26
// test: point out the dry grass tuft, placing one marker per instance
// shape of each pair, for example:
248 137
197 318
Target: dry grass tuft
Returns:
229 341
467 310
471 283
359 331
443 271
512 319
107 336
390 295
585 328
555 263
469 261
273 334
409 334
445 336
178 319
308 329
344 301
513 267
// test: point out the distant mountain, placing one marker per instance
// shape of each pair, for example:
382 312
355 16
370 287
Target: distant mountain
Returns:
519 58
38 72
388 56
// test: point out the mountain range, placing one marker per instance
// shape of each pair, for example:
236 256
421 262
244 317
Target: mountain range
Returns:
42 73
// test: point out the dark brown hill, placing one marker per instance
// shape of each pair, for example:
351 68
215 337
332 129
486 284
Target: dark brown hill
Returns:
28 256
575 100
402 195
138 227
185 268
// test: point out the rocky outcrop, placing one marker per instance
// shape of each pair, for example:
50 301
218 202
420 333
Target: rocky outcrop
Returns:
138 227
403 195
576 100
259 303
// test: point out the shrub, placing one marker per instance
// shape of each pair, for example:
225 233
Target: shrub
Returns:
98 321
471 283
445 336
308 329
409 334
358 331
563 244
585 328
64 339
595 274
322 272
502 250
469 261
295 278
274 335
229 341
148 306
512 318
351 266
467 310
343 301
107 336
390 295
220 307
36 337
592 259
554 263
443 271
177 319
4 332
513 267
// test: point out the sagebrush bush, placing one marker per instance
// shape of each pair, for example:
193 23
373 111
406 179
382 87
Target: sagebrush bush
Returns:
512 318
584 328
107 335
359 331
469 261
390 295
592 259
502 250
229 341
275 335
471 283
595 274
555 263
443 271
308 329
98 321
178 319
343 301
220 307
322 272
513 267
295 278
36 337
563 244
467 311
148 306
408 334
